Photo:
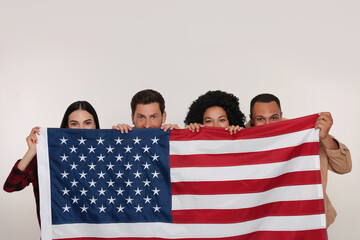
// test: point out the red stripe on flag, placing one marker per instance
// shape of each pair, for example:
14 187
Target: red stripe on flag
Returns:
250 158
268 130
260 235
246 186
288 208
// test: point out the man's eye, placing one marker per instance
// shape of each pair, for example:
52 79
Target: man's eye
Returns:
259 119
274 118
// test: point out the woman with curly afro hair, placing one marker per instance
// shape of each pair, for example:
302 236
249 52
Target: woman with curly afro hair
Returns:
215 109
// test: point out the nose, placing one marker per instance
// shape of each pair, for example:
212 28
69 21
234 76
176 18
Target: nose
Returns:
267 121
147 124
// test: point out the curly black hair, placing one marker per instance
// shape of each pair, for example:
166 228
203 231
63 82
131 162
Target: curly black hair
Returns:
229 102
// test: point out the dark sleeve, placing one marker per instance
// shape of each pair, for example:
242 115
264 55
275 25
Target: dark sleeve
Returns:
18 180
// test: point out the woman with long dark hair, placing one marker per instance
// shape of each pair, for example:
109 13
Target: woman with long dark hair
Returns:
80 115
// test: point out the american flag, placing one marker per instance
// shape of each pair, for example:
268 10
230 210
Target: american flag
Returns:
261 183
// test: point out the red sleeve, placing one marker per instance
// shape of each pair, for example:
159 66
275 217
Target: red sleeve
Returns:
18 180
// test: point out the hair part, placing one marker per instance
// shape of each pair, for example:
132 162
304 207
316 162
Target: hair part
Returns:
229 102
147 96
264 98
79 105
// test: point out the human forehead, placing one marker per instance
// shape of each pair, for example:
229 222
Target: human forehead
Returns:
148 109
214 111
261 108
80 115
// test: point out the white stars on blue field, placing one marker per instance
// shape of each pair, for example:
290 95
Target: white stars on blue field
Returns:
116 177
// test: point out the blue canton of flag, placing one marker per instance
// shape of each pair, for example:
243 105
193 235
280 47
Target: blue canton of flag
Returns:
109 177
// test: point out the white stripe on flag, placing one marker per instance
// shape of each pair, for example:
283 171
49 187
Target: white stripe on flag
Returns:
246 172
240 146
239 201
175 231
44 188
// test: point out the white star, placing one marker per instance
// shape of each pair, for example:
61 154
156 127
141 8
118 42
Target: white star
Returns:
119 157
100 141
118 141
101 174
82 141
128 183
147 199
73 166
156 191
146 166
138 208
137 157
92 183
128 166
91 149
156 208
64 174
83 191
119 175
120 208
129 200
84 208
146 149
101 192
110 149
120 191
128 149
137 174
111 183
83 175
92 166
100 157
155 157
63 140
155 174
102 209
146 183
111 200
137 140
110 166
82 157
64 157
137 191
93 200
75 199
65 192
66 208
74 183
73 149
155 140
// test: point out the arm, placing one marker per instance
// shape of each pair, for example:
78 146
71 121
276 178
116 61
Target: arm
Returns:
18 179
338 154
24 170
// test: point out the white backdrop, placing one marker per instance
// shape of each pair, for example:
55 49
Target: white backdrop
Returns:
53 53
